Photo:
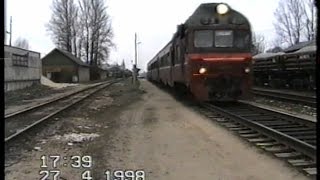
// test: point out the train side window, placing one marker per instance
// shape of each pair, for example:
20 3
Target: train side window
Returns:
172 58
177 55
162 62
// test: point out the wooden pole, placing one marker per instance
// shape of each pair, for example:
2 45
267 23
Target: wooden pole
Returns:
10 31
134 72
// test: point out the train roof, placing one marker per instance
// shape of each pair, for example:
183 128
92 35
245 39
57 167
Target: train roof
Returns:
267 55
163 51
308 49
207 13
299 46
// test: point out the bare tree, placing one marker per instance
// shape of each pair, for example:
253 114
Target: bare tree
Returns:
259 44
295 21
309 12
74 27
104 40
22 43
97 30
80 38
62 24
83 29
85 9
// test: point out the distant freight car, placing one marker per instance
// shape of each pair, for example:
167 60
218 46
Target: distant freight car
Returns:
294 70
209 55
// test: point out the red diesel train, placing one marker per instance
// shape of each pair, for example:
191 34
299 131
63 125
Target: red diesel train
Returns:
209 55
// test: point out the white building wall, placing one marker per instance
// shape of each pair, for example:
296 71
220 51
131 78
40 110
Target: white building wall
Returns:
18 77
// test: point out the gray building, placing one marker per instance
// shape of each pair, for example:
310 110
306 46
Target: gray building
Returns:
22 68
63 67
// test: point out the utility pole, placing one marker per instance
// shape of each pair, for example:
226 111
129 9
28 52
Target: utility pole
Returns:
135 49
10 30
134 71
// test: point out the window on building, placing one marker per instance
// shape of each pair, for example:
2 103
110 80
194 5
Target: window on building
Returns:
19 60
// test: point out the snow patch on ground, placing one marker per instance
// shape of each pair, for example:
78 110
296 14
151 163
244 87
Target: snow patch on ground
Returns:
77 138
47 82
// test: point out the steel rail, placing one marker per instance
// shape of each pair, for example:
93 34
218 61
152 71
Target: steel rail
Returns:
307 100
51 101
292 142
99 87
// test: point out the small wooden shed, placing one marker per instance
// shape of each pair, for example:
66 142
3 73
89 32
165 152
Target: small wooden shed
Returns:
63 67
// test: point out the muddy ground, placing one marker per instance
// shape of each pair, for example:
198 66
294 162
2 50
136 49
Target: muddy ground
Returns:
142 129
38 91
23 96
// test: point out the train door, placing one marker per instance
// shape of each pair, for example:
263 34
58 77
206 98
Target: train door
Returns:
171 64
178 67
157 70
182 50
182 59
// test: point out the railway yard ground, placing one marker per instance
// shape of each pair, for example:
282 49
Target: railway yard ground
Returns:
124 128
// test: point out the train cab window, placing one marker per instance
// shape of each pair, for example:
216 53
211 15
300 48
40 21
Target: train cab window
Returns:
223 38
242 39
203 38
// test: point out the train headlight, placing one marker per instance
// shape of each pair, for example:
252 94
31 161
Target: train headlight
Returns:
247 70
202 70
222 8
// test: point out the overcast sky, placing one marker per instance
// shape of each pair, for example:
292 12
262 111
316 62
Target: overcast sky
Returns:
154 21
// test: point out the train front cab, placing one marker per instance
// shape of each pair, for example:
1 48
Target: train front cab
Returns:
219 67
226 79
219 54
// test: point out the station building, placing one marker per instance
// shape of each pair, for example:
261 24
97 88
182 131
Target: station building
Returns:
22 68
63 67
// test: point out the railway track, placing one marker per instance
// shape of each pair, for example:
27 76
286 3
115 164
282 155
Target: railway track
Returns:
286 137
20 122
286 96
